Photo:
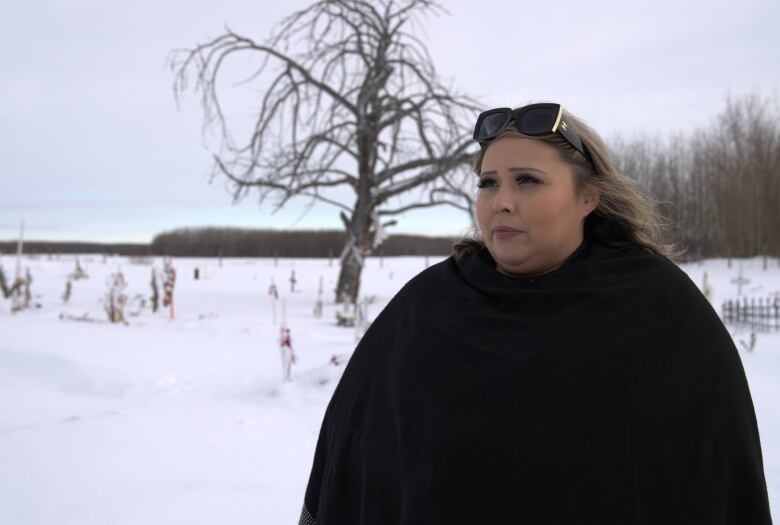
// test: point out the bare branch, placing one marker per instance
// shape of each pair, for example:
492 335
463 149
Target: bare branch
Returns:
418 205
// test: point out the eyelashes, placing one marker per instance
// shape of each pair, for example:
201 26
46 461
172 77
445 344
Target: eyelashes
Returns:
521 179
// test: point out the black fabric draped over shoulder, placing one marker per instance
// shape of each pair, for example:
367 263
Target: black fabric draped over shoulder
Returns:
606 391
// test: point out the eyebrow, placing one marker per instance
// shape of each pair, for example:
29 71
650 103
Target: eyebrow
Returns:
513 169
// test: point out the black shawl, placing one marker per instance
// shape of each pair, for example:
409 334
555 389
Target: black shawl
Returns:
606 391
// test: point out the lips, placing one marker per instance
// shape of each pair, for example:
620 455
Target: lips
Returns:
505 230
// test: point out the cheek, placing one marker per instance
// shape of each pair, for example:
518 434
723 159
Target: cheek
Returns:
482 208
552 211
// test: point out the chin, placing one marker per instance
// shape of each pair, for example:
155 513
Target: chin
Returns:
511 254
512 264
519 262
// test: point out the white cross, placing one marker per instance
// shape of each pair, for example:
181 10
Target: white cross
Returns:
739 281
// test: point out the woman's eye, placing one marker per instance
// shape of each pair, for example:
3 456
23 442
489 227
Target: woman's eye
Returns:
521 179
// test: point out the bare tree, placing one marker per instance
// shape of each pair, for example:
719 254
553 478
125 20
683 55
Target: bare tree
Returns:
349 98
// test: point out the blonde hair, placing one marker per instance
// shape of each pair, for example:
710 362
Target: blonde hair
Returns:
624 214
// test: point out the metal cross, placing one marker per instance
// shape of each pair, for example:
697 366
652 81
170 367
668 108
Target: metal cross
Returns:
739 281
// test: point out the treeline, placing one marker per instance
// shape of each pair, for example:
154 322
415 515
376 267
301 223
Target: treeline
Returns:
236 242
720 186
48 247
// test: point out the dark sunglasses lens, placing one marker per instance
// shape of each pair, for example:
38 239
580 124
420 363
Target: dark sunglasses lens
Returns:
538 121
492 125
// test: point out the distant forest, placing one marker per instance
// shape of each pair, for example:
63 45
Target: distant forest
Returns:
719 188
238 242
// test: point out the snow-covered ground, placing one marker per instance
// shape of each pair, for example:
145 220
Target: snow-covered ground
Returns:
188 421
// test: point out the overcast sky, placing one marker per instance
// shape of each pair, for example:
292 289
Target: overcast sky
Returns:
92 146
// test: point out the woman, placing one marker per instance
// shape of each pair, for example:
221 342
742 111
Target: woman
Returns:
558 368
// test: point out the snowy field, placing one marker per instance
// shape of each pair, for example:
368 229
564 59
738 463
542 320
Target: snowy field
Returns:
188 421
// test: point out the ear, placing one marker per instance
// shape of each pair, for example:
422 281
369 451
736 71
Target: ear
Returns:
590 200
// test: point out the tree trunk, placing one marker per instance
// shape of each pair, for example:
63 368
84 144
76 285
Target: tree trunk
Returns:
359 227
356 248
349 279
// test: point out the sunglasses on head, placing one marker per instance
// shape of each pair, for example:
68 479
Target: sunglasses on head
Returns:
534 120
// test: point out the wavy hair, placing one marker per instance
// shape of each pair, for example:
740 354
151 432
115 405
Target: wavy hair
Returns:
624 215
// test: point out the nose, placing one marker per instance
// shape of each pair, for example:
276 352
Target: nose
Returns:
502 199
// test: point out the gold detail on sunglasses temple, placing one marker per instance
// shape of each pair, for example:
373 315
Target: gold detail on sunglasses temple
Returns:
558 120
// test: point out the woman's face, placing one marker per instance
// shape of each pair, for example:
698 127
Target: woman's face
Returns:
530 218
